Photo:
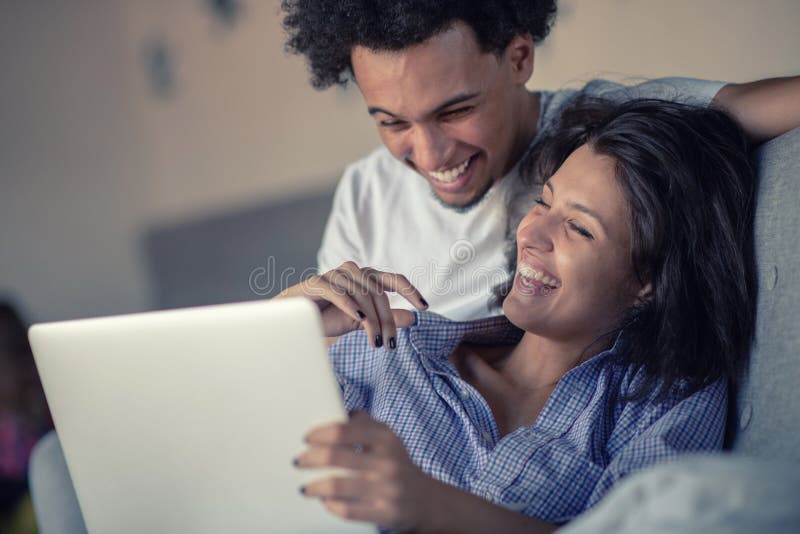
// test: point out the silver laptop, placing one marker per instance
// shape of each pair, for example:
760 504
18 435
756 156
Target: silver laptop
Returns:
188 420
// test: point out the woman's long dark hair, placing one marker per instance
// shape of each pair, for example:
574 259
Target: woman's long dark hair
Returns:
691 189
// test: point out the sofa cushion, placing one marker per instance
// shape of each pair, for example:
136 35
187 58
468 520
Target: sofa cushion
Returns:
769 404
700 494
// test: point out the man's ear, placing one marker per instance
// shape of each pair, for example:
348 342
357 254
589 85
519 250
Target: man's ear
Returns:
520 54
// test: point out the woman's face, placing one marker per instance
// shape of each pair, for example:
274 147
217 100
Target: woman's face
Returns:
574 274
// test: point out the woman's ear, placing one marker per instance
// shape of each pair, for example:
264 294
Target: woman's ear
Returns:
645 293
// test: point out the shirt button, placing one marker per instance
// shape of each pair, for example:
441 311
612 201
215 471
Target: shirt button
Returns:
515 506
488 495
744 418
486 436
464 394
773 279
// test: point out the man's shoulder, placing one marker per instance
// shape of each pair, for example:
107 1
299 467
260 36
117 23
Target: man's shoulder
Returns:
686 90
667 88
677 89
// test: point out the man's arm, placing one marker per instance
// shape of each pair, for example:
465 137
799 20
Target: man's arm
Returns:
764 108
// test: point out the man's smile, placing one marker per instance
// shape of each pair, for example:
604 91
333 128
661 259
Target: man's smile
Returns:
451 175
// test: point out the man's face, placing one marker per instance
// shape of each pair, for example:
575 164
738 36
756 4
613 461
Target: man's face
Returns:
449 111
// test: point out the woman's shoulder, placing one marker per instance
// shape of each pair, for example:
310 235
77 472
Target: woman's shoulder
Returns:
430 339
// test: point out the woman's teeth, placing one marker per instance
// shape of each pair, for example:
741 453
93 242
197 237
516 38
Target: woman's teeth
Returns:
530 275
451 175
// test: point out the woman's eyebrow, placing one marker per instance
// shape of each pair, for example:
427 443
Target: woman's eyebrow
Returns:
580 207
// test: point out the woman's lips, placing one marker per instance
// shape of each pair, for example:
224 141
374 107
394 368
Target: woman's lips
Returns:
534 276
533 289
533 279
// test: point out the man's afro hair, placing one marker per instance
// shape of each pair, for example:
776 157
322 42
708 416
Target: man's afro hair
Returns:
325 31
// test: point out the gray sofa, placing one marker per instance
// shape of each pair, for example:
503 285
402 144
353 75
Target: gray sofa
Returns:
237 255
744 489
769 408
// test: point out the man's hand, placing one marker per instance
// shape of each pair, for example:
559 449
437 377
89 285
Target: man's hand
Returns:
350 297
386 488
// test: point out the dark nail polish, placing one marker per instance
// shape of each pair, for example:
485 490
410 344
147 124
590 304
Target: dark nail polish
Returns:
424 302
392 343
360 314
303 490
296 462
378 341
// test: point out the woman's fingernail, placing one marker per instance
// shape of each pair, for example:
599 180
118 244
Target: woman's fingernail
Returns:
360 314
424 302
378 341
392 343
296 462
303 490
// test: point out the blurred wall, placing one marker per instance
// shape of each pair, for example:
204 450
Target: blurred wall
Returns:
118 115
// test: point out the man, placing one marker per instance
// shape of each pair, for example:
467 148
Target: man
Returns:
445 84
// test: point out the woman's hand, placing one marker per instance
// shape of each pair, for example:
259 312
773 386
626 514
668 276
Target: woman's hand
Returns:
386 488
350 297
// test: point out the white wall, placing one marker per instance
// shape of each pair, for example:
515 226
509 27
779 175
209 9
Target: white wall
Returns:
74 168
89 157
245 125
731 40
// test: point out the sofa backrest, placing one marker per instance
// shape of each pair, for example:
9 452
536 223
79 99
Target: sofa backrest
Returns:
246 254
769 404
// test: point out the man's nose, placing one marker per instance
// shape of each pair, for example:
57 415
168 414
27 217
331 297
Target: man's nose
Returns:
432 149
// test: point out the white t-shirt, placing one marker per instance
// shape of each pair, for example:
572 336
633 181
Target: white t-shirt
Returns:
384 215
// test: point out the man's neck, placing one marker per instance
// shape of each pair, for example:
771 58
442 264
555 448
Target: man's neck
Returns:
529 111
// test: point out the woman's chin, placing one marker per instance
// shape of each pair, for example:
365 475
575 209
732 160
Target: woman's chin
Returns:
521 312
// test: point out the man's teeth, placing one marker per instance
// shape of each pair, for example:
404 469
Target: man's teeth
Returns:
451 175
530 275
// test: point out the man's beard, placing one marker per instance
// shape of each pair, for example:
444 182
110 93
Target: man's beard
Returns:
465 207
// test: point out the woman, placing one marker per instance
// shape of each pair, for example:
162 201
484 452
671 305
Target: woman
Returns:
630 312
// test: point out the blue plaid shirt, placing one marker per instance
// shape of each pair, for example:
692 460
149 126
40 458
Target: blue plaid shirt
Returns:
585 439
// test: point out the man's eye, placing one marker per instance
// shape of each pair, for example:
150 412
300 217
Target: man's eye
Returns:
393 125
539 201
581 230
457 113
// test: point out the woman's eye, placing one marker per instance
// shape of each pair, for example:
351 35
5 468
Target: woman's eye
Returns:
539 201
581 230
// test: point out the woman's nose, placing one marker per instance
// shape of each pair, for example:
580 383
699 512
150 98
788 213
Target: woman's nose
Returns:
536 231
